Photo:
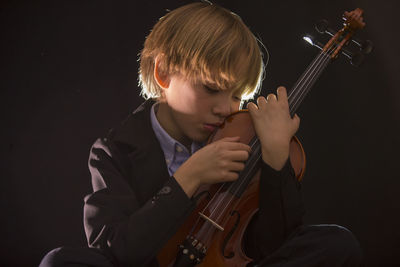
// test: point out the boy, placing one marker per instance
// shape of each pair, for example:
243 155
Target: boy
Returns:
197 65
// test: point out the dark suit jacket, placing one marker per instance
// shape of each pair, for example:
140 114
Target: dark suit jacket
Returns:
136 206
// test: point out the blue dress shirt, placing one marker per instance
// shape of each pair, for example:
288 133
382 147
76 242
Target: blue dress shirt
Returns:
174 152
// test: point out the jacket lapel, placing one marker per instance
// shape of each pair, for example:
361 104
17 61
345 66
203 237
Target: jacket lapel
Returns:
146 162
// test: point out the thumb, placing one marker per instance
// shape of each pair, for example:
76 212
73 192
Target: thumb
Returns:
230 139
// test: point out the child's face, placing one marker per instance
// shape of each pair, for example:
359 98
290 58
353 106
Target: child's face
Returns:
191 112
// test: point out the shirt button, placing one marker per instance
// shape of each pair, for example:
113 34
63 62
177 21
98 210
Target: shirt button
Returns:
168 161
153 200
179 149
165 190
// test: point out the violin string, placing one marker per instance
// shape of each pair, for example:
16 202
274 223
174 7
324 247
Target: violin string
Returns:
307 85
319 68
309 81
304 89
299 89
225 184
290 94
320 58
252 162
217 207
294 90
210 227
216 193
252 142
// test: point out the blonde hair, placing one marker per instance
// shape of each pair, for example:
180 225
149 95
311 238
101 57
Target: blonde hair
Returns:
207 44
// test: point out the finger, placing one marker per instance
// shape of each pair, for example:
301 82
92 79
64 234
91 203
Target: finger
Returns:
261 102
271 97
238 156
236 166
252 107
237 146
281 92
230 176
229 139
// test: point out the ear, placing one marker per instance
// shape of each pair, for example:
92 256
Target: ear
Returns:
162 77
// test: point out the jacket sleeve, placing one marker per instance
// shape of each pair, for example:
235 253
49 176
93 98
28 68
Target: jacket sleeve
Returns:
115 222
280 212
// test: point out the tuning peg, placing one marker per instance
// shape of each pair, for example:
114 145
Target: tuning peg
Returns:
322 26
366 46
357 59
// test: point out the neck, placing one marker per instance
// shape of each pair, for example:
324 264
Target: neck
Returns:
166 120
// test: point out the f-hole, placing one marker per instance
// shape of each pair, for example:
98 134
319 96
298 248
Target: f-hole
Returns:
230 234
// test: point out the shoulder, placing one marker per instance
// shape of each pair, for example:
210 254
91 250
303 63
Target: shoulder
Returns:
134 135
136 125
128 146
133 131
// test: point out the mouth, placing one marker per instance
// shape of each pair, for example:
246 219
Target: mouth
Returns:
211 127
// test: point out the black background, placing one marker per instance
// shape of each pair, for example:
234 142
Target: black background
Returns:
69 73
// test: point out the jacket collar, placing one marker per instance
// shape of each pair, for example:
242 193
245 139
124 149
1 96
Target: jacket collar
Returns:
135 138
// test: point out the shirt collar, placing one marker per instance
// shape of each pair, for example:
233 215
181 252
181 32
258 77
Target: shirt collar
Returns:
169 145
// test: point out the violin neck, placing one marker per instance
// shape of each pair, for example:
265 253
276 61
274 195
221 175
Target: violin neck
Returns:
303 85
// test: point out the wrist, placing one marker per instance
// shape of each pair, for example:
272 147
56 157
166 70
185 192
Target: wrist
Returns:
276 159
188 184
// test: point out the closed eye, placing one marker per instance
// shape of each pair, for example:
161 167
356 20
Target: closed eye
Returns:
237 98
211 90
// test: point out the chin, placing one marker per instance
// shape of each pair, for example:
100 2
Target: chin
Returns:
200 137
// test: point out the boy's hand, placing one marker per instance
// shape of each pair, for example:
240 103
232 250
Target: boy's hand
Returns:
216 162
274 127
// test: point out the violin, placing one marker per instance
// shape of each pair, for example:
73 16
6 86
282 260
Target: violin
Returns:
213 234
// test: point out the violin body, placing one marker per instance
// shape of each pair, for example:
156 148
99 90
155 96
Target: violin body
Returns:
240 124
226 246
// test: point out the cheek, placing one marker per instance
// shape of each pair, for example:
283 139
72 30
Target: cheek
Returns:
183 101
235 106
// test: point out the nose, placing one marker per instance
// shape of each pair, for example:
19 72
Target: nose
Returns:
223 108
